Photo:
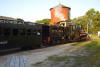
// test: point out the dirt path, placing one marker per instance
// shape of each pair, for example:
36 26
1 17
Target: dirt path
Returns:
72 57
39 55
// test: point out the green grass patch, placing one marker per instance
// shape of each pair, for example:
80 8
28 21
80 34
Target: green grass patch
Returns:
57 58
95 36
38 63
93 60
81 43
93 47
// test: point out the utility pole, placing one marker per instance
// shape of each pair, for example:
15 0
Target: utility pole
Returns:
87 27
89 23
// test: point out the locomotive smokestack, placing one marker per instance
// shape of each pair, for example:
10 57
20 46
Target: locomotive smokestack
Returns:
59 13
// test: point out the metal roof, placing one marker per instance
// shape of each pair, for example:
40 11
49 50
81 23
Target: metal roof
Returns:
6 18
63 6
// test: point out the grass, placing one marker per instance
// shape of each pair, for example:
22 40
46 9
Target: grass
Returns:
92 60
57 58
95 36
93 47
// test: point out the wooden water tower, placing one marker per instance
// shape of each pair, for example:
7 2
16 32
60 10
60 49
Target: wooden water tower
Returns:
59 13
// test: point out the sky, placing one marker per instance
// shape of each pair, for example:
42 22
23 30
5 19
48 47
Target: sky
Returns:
32 10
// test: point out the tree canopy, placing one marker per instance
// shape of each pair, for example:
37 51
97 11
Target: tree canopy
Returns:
44 21
91 18
20 20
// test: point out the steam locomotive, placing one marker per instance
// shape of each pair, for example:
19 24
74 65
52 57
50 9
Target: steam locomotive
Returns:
14 34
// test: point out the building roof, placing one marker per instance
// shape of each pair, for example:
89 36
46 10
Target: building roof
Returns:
63 6
6 18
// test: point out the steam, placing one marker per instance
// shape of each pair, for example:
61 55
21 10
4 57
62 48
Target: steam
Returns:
58 13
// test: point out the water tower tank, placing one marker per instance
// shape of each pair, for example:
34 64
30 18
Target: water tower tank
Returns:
59 13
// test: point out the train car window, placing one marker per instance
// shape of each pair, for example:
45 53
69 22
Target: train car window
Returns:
80 27
73 27
5 21
0 31
34 32
29 32
38 32
1 21
15 32
20 22
22 31
76 26
7 32
10 21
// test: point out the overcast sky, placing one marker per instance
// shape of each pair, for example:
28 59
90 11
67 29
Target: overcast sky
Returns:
32 10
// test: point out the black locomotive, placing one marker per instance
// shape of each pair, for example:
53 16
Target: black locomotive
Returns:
23 34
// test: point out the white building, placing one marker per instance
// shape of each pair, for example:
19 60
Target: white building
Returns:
99 34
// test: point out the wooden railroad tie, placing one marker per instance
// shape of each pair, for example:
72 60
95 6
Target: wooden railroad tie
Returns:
17 61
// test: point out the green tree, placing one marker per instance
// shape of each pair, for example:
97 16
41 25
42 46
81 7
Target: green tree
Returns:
20 20
44 21
91 18
90 13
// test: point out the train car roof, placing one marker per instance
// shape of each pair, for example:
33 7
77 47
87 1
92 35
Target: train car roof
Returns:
71 23
6 18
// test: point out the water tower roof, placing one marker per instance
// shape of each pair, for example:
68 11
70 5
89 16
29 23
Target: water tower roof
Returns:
63 6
